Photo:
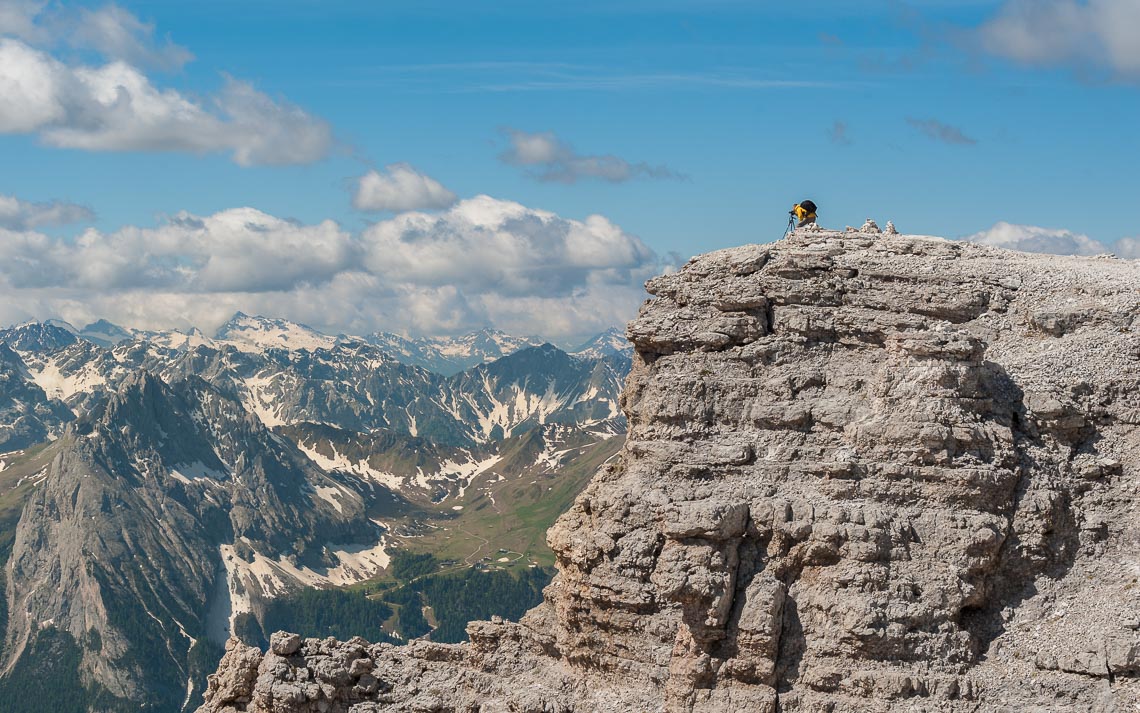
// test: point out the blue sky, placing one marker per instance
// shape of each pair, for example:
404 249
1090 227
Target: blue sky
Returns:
713 118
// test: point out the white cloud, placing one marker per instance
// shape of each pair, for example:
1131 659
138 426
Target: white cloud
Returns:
1093 33
482 262
1127 248
488 245
30 88
115 107
116 33
1034 239
549 158
18 18
110 30
400 188
241 249
17 214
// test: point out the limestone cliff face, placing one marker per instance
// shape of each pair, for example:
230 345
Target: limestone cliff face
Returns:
864 473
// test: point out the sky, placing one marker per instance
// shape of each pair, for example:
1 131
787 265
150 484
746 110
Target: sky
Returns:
433 167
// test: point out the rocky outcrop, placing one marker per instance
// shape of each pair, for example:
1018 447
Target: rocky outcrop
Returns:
865 472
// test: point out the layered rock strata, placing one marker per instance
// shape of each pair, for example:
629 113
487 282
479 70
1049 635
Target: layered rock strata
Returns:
864 473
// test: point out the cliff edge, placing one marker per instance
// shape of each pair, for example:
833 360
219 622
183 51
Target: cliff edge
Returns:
864 473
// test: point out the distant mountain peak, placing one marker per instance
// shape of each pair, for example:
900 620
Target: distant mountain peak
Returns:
450 355
39 336
607 343
101 324
62 325
256 333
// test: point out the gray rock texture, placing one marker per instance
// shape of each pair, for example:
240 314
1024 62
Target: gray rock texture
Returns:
27 415
119 550
865 473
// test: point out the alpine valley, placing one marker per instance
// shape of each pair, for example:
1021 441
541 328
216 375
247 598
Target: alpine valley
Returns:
160 491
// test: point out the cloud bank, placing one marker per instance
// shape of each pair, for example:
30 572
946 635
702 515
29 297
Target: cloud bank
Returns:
483 262
114 106
1035 239
17 214
548 158
400 188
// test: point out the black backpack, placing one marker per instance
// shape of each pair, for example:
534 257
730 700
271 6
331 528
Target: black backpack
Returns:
808 206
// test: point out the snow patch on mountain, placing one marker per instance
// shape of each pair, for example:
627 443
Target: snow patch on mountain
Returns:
485 345
231 598
332 494
460 472
270 577
260 400
256 334
196 471
179 340
58 385
344 464
451 355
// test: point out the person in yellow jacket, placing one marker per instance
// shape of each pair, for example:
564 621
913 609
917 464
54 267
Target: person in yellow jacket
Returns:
804 212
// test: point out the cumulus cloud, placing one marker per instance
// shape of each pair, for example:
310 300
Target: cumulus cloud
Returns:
400 188
1103 34
111 31
114 106
937 131
115 32
482 262
487 245
241 249
1034 239
17 214
548 158
18 18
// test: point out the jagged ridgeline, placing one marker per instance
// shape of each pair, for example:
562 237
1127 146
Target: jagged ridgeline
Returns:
864 473
162 491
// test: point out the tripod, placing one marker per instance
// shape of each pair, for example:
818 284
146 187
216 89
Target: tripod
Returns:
791 224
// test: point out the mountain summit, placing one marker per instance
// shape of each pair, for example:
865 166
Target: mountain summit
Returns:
451 355
864 472
260 333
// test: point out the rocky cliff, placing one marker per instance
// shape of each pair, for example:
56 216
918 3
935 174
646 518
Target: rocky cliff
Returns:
864 473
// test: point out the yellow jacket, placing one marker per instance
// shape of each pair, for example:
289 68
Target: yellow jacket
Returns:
801 212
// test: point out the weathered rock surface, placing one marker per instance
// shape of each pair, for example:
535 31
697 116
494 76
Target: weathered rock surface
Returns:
864 472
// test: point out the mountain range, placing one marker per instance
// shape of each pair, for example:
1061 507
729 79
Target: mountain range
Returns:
156 487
